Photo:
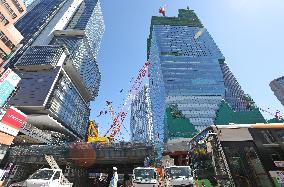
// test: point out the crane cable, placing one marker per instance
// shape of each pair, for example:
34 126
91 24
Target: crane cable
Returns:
118 120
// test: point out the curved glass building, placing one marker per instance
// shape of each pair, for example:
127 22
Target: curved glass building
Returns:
188 74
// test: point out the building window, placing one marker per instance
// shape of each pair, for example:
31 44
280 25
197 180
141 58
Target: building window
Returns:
6 41
275 157
2 53
3 19
10 10
18 6
10 45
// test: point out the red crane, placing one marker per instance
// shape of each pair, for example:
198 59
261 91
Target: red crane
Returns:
118 120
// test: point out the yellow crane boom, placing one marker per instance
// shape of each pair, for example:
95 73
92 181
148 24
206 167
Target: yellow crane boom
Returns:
93 135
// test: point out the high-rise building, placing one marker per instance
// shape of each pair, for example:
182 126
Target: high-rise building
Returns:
189 78
57 64
10 12
277 86
141 124
28 2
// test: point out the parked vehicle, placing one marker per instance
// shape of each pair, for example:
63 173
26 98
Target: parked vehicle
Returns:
145 177
47 178
179 176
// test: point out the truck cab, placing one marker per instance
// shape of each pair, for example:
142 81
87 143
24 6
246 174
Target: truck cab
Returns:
46 178
178 176
145 177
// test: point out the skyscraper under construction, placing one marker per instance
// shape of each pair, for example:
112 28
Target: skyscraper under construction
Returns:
191 85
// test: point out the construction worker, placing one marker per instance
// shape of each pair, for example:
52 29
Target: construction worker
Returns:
114 179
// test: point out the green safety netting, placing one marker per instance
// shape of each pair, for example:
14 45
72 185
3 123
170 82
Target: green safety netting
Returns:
204 182
185 18
275 120
226 115
178 126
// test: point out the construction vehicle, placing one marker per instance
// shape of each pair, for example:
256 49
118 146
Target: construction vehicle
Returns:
178 176
93 136
46 177
145 177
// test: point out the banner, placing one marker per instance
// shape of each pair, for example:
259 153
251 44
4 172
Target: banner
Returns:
12 121
8 81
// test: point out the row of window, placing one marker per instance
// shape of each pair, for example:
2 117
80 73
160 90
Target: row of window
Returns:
6 41
18 6
10 10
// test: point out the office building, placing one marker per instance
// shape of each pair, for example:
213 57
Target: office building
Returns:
57 64
141 124
10 12
189 77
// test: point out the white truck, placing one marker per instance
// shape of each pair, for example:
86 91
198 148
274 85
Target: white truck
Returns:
47 178
178 176
145 177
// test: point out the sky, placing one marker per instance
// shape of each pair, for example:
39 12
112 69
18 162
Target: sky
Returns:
248 32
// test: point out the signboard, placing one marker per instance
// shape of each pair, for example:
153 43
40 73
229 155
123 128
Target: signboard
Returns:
8 81
278 176
12 121
279 164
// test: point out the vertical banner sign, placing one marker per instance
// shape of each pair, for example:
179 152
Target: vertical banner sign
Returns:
8 81
12 121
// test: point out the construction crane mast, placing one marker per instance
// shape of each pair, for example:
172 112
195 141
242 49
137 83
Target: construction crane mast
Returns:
92 134
118 120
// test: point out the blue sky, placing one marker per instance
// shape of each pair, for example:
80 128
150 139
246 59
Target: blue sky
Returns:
248 32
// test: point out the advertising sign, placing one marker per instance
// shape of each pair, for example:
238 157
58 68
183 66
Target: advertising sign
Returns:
278 176
8 81
12 121
279 164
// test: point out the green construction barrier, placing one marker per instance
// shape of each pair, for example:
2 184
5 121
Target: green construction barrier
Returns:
206 182
226 115
178 126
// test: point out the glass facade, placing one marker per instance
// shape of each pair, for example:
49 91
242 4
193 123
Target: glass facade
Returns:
141 123
34 22
72 52
41 56
28 2
82 61
69 107
90 19
188 70
234 94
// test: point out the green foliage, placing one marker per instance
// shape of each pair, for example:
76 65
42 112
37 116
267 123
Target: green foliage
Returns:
206 182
